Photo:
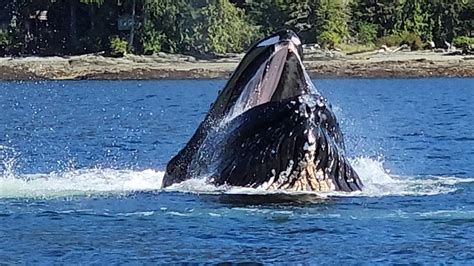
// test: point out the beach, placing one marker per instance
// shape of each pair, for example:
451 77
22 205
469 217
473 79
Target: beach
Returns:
319 64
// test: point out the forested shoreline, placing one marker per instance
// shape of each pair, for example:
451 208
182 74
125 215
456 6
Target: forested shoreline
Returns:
209 27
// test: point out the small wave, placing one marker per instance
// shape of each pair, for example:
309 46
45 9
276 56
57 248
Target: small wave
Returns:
79 182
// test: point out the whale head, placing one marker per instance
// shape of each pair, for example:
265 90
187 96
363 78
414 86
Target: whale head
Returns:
271 70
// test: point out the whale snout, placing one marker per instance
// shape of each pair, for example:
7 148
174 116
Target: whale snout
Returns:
283 37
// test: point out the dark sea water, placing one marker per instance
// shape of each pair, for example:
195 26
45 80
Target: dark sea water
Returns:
81 165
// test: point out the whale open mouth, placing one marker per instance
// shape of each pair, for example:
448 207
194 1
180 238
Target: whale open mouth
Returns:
272 70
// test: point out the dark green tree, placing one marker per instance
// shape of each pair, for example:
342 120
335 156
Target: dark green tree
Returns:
219 27
415 16
206 26
382 13
165 23
331 19
272 15
445 19
466 18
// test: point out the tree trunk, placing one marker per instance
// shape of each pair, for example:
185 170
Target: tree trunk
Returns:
73 26
92 18
132 30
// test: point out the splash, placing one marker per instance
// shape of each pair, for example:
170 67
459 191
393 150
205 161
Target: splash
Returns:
79 183
377 180
97 181
8 160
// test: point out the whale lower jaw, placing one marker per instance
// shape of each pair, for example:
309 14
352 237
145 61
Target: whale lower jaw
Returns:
293 144
313 175
306 177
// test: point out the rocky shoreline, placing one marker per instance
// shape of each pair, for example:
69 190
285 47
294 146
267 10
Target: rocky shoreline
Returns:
165 66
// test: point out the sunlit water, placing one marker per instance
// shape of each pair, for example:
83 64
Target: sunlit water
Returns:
81 165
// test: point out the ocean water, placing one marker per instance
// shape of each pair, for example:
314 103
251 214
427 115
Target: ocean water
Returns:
81 165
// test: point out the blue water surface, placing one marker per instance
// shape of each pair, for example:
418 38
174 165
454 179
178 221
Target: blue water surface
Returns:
81 162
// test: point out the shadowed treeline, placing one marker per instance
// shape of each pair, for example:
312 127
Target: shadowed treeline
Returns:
116 27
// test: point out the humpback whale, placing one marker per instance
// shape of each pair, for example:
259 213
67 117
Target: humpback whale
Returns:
269 128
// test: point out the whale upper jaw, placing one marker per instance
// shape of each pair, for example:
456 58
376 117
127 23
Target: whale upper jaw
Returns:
271 70
269 127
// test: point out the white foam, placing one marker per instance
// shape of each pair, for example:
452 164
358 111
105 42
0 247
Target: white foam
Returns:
79 182
86 182
377 183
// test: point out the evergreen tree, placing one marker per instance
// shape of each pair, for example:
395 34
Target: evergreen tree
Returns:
446 20
165 18
466 18
219 27
206 26
414 16
332 17
383 13
272 15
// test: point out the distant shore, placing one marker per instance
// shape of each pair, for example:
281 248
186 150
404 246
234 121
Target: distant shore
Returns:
321 64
